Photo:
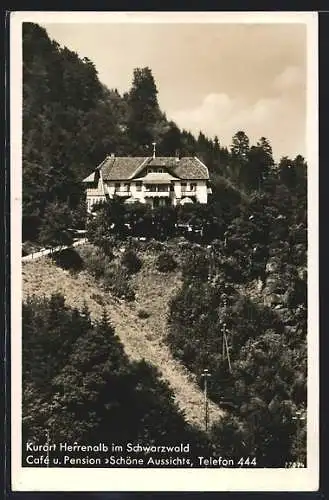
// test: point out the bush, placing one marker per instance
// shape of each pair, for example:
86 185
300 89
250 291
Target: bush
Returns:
196 266
29 247
116 280
95 260
68 259
96 265
165 262
106 244
142 314
154 246
98 299
131 261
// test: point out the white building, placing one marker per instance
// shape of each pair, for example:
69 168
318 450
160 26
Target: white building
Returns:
158 181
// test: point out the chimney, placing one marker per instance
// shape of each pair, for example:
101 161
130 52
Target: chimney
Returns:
177 155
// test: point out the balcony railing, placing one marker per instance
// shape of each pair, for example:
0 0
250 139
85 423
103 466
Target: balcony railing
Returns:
188 192
122 192
156 193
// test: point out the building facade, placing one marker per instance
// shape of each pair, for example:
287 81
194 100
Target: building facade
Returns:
157 181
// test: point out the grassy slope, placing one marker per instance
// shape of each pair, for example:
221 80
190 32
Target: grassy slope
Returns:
142 338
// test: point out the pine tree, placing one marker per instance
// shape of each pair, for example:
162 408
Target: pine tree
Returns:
54 228
144 112
240 145
239 156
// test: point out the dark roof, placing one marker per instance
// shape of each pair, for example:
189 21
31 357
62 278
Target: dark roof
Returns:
120 167
125 167
191 168
163 161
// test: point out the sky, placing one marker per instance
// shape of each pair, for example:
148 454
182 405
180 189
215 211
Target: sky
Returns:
218 78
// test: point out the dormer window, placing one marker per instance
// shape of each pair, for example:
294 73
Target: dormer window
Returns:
155 170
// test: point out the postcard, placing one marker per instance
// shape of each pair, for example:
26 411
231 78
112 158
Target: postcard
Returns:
164 251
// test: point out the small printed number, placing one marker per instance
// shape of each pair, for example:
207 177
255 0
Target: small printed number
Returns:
246 461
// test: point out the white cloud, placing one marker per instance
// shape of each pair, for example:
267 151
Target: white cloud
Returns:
291 77
222 115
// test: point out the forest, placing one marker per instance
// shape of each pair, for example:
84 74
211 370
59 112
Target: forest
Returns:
241 310
80 384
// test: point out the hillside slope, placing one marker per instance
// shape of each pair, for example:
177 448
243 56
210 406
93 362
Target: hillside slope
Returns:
142 338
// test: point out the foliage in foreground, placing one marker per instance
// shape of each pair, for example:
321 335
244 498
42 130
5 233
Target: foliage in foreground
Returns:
79 385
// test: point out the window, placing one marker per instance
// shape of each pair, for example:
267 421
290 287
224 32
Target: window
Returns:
126 186
162 202
192 187
183 184
138 186
155 170
117 186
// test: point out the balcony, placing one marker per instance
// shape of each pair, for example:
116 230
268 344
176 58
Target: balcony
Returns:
161 194
122 192
188 192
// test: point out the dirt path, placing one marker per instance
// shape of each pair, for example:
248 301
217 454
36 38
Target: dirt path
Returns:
142 338
46 251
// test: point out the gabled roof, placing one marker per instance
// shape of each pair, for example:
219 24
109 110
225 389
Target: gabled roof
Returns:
90 178
120 167
191 168
157 178
163 161
128 167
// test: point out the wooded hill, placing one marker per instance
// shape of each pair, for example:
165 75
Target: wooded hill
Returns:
71 121
244 274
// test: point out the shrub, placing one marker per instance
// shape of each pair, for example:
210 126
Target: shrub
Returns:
96 265
142 314
165 262
98 299
95 260
116 280
29 247
154 246
106 244
196 265
68 259
131 261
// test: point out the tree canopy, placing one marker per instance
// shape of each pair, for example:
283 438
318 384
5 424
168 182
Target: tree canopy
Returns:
71 121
